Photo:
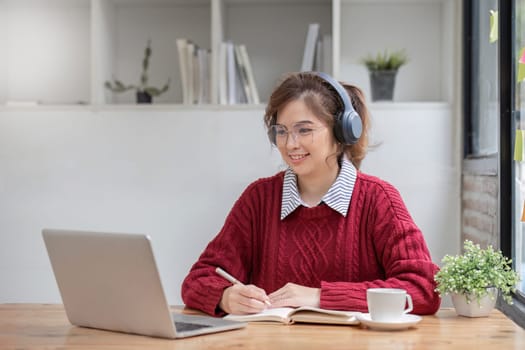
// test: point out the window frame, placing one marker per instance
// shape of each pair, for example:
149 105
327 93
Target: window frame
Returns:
507 122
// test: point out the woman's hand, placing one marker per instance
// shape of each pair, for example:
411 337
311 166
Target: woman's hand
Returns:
295 295
242 299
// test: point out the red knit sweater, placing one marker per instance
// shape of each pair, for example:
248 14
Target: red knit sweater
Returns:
376 245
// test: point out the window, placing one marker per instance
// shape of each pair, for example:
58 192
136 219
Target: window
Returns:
482 76
494 127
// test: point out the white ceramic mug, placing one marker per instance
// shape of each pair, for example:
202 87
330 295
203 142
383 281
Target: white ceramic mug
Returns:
388 304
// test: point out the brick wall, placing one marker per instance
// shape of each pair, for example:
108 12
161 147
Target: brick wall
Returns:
480 209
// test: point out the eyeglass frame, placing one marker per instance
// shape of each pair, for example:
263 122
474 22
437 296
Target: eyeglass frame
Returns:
296 133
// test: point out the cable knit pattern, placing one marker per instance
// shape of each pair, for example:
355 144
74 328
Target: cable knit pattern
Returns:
376 245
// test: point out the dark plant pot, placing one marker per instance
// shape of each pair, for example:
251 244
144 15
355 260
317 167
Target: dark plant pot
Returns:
143 97
382 83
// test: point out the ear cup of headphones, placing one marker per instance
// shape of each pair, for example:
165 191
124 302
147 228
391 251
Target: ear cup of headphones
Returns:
347 125
349 128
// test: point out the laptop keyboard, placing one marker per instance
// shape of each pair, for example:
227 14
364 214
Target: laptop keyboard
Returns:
185 326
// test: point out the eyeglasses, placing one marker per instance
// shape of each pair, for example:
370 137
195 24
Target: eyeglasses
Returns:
301 131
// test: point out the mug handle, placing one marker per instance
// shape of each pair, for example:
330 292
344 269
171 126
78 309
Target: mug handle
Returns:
410 305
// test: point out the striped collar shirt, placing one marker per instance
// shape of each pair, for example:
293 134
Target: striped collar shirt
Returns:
338 196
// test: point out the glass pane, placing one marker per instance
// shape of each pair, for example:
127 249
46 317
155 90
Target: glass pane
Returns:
519 161
485 77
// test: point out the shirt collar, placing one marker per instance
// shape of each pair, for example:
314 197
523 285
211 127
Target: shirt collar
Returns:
338 196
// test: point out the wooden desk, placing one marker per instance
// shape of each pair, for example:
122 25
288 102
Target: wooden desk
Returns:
34 326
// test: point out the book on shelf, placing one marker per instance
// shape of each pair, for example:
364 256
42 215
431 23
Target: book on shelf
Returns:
326 65
193 71
309 47
318 59
303 314
236 80
181 49
323 54
243 76
254 94
223 77
231 73
203 76
194 65
240 82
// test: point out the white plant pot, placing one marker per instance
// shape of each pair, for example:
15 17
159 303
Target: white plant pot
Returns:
475 308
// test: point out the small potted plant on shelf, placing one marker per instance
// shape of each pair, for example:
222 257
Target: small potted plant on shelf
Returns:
474 278
382 70
144 93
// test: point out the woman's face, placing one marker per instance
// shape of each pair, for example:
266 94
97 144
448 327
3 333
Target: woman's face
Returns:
306 144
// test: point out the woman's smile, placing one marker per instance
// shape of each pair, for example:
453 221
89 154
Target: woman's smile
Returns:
297 158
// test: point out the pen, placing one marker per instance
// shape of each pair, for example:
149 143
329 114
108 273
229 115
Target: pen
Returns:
227 276
232 279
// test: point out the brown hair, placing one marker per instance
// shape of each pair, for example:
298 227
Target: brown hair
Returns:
324 102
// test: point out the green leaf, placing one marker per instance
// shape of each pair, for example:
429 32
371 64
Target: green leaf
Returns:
118 86
156 92
475 270
385 60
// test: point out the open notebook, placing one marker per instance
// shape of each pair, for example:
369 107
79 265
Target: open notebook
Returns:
304 314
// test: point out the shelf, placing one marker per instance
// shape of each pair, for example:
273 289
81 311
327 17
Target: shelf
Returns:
137 107
409 105
62 51
374 106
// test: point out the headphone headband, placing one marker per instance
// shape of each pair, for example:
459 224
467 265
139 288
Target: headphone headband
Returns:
343 95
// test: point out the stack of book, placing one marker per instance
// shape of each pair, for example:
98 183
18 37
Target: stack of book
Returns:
317 51
236 79
195 67
236 82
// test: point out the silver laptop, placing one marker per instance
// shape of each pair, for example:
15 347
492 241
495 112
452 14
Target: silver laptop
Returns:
110 281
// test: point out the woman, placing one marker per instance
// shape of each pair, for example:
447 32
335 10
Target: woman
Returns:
320 233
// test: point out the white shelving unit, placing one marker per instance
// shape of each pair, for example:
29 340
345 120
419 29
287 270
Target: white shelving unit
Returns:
62 51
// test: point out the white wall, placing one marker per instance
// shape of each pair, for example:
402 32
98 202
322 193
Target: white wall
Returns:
175 173
171 174
416 153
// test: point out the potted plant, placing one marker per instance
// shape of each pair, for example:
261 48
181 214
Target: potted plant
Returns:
382 70
474 278
144 93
